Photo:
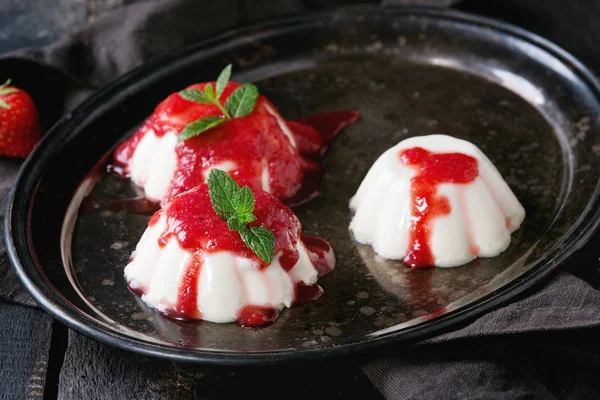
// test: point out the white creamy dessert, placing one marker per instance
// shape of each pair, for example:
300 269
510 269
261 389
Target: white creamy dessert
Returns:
261 149
155 162
435 200
189 265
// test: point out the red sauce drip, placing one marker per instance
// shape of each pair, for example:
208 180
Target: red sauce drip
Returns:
135 288
288 259
154 219
317 251
251 142
329 124
432 169
255 316
307 293
313 134
187 300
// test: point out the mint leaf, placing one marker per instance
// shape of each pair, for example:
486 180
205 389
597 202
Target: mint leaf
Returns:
261 241
239 104
222 190
223 79
244 202
237 222
197 127
209 92
235 205
242 101
195 95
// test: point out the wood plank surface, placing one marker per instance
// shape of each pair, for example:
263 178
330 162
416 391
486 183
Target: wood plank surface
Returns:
94 371
25 337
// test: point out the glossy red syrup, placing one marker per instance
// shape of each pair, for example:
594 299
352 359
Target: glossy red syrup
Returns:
198 229
255 316
136 205
307 293
251 142
187 299
318 249
433 169
135 288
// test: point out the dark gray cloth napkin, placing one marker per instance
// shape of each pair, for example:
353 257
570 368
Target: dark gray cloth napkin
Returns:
542 345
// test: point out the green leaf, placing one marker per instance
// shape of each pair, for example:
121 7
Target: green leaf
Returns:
195 95
235 205
5 90
244 202
261 241
242 101
237 222
197 127
209 92
223 79
222 190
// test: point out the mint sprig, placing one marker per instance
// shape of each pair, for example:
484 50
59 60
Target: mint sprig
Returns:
235 205
261 241
199 126
240 103
223 79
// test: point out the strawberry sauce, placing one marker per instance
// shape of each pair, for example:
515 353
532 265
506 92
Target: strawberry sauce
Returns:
259 147
318 250
192 221
187 300
255 316
432 170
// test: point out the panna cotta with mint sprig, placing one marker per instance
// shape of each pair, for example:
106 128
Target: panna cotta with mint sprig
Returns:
223 253
228 126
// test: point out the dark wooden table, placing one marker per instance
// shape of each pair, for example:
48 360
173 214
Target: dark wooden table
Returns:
53 362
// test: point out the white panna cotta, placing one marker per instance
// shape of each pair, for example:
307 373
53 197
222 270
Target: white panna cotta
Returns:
435 200
261 149
189 265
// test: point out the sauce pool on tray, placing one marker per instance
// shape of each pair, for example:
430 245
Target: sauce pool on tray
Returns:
231 127
435 201
223 253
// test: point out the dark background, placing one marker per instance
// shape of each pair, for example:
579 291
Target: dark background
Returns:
572 24
35 23
54 362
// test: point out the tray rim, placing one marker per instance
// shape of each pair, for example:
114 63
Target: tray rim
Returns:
81 323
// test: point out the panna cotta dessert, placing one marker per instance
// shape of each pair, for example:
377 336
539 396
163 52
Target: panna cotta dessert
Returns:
231 127
222 253
435 201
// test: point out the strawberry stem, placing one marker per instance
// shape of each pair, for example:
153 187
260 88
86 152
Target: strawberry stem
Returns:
4 91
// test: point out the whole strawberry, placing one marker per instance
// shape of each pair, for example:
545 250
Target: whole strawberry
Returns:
19 122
